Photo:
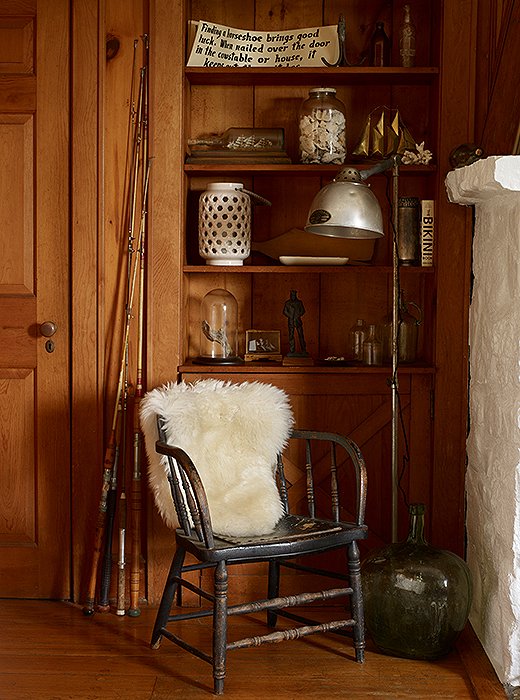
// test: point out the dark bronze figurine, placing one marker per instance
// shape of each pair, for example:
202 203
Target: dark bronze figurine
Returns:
294 310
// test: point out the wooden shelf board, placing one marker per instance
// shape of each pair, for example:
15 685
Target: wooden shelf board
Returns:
278 368
302 269
297 169
307 76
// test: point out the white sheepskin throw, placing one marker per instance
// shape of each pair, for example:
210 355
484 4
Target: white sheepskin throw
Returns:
233 433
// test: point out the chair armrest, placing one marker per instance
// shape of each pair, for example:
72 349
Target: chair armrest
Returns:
356 460
188 493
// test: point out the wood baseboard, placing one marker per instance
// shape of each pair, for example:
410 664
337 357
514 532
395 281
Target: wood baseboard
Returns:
484 680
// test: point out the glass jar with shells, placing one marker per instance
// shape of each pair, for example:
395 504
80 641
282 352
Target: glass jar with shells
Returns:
322 127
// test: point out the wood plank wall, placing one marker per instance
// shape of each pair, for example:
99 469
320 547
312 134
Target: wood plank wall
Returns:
497 105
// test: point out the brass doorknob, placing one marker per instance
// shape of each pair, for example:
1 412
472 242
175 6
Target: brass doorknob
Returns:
48 328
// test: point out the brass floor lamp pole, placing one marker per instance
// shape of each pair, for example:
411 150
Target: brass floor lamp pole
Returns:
395 349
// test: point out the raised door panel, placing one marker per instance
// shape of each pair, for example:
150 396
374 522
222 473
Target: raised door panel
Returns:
18 522
16 211
16 44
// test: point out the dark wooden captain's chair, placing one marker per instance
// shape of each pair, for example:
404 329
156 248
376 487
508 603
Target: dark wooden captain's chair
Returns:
293 536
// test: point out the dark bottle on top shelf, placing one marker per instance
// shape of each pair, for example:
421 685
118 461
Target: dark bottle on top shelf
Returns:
379 54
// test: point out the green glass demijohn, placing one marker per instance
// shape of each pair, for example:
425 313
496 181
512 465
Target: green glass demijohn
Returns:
416 597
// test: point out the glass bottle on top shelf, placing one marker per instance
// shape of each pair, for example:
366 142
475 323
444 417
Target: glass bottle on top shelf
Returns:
322 127
379 50
219 329
356 337
407 40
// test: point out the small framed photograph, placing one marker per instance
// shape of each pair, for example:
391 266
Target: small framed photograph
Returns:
262 345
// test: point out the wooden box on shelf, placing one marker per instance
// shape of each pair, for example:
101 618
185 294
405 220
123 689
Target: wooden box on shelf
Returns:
262 345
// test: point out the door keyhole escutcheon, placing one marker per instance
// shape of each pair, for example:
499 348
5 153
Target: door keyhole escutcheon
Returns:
48 328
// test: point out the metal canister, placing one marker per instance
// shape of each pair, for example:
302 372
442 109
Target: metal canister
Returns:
408 244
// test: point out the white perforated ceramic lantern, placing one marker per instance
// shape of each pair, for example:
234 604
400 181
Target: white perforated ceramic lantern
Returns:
224 224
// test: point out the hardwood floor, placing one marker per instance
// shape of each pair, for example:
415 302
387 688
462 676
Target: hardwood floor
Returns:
50 651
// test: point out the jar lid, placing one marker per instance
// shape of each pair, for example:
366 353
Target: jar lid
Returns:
225 186
318 90
409 202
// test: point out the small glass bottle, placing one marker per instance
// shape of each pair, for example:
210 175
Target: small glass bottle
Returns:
372 348
322 128
357 335
379 54
407 40
408 333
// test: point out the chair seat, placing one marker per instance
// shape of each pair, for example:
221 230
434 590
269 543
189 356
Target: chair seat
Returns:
293 534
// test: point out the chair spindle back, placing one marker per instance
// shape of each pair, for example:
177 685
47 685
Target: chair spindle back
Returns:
356 461
187 492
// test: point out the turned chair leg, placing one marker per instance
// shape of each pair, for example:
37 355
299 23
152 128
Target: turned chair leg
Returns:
167 597
273 590
220 627
354 568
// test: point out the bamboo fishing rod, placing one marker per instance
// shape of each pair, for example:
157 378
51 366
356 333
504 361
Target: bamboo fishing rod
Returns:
136 502
88 608
135 572
138 266
133 191
106 564
111 446
121 560
111 503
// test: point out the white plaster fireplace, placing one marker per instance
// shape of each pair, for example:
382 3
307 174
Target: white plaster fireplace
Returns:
493 446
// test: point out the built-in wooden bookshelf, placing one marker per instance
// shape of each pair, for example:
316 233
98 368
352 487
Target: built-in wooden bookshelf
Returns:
433 102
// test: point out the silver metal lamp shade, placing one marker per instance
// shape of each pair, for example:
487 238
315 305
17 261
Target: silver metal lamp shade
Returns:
346 208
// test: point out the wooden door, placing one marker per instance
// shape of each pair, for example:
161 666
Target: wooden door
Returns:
34 234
